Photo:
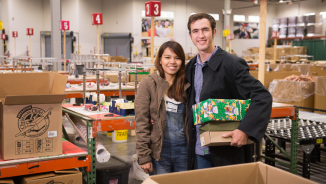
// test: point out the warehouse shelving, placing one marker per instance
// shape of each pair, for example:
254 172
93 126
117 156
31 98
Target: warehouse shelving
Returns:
96 123
71 157
278 111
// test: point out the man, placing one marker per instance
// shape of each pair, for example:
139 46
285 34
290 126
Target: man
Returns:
216 74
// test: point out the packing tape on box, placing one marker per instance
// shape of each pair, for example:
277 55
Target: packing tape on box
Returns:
102 155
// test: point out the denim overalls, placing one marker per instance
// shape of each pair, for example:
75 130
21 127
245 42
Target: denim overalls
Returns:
174 150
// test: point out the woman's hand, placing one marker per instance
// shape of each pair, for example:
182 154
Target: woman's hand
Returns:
148 167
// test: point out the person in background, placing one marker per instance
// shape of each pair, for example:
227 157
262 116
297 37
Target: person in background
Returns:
216 74
162 145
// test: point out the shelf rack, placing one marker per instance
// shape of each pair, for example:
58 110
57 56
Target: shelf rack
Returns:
96 123
72 157
278 111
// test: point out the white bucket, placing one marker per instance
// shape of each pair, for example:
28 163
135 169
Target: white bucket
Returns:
139 173
120 136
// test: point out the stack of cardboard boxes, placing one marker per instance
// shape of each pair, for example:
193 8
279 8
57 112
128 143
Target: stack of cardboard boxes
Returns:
282 51
31 115
218 117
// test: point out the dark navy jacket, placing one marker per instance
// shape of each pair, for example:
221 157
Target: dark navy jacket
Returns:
227 76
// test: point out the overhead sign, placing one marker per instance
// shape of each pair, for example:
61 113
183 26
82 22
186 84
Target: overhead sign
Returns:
64 25
30 31
275 34
97 19
15 34
231 36
153 8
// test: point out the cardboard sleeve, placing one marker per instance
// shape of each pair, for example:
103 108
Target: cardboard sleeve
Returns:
320 86
288 91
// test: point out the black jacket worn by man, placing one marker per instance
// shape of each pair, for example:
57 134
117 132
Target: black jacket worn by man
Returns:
226 76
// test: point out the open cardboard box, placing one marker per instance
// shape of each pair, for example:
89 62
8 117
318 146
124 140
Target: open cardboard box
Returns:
31 114
251 173
270 76
215 138
56 177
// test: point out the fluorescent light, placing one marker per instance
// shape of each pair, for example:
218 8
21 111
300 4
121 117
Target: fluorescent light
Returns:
323 14
306 14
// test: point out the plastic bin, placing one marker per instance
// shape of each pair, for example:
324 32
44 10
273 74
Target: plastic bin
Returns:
115 171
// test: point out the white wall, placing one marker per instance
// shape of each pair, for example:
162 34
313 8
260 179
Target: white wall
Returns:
125 16
18 17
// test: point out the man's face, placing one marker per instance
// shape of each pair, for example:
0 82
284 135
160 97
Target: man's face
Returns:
202 34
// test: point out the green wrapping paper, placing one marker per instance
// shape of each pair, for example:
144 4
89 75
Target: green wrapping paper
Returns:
220 110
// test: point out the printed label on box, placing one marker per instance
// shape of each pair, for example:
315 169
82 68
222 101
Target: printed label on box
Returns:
28 147
33 121
24 147
52 134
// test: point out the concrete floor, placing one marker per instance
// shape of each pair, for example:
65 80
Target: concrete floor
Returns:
122 150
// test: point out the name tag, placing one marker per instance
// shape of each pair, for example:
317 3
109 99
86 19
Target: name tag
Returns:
171 107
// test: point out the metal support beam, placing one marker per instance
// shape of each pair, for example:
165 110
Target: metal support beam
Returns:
262 41
55 32
227 12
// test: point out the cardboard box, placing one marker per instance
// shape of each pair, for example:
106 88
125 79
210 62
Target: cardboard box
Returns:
31 114
270 76
114 77
214 138
219 126
250 173
132 132
320 94
317 70
57 177
139 77
300 93
7 181
220 110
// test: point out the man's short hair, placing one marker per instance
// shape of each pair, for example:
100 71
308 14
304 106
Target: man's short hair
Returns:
199 16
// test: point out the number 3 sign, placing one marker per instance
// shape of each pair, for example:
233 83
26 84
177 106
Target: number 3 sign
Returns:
97 19
153 8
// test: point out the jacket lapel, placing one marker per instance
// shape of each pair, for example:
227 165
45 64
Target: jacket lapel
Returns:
216 59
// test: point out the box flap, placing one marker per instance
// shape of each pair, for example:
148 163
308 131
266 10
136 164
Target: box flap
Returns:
7 181
34 99
149 181
58 84
275 175
245 173
38 176
24 84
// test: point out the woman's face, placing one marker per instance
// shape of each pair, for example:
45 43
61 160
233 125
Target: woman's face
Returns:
170 62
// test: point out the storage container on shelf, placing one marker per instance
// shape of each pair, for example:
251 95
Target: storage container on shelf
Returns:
120 136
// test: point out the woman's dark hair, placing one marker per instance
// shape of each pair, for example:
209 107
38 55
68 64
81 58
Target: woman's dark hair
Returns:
176 90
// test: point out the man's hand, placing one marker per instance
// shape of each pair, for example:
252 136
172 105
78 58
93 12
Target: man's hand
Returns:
239 138
148 167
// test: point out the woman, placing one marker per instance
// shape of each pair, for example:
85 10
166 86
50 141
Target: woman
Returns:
162 145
